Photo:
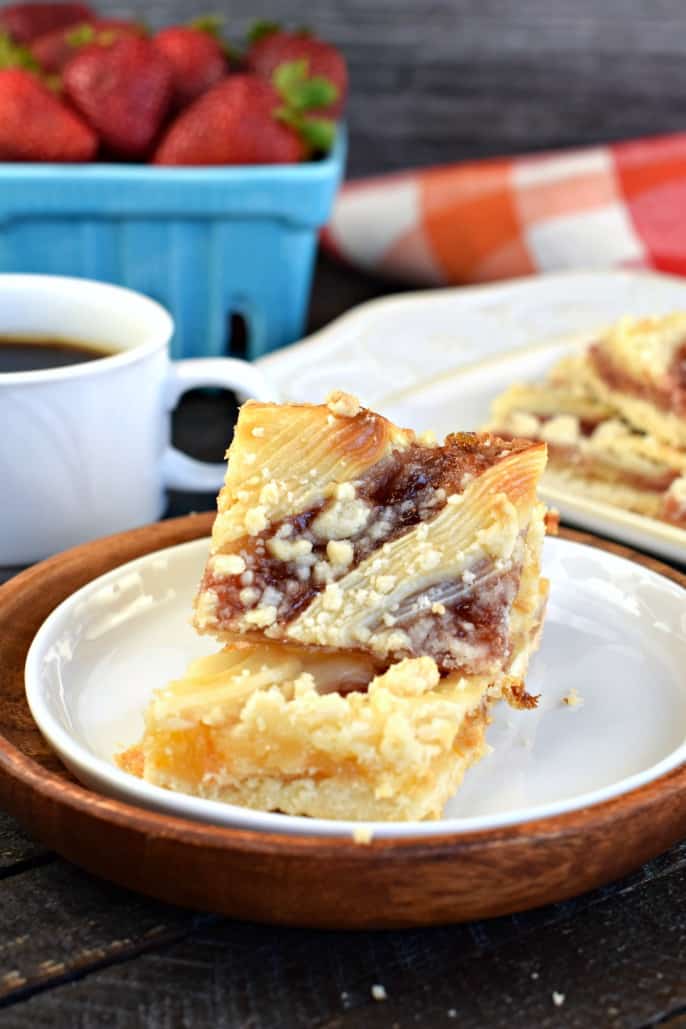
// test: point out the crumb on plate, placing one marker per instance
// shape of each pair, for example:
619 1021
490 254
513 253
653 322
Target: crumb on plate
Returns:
552 521
363 834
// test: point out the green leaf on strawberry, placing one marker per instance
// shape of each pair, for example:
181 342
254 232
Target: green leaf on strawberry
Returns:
301 95
212 24
88 32
261 29
81 35
318 133
300 91
12 55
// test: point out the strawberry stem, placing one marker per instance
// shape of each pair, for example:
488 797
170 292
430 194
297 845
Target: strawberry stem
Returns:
12 55
300 90
302 94
212 24
261 29
318 133
80 35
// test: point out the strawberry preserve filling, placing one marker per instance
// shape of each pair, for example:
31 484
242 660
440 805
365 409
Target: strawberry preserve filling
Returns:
670 396
596 468
286 566
463 625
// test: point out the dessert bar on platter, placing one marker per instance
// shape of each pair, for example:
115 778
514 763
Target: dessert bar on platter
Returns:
614 418
374 593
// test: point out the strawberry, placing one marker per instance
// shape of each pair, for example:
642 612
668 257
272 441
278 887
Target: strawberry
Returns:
233 123
246 120
36 126
270 47
55 49
124 90
25 22
197 59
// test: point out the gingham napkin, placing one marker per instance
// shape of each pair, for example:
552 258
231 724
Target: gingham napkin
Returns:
623 204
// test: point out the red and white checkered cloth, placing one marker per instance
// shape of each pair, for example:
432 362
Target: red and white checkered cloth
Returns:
618 205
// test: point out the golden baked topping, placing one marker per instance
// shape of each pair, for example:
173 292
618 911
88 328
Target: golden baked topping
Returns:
418 551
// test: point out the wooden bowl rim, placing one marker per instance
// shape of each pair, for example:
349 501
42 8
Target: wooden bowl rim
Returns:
14 764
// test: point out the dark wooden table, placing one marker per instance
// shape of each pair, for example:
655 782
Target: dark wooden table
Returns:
433 81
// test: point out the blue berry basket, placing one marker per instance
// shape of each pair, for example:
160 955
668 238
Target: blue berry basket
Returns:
209 244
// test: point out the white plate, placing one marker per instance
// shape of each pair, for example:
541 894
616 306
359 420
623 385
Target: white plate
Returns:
398 354
615 631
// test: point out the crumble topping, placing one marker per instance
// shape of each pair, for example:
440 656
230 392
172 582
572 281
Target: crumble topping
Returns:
343 405
309 732
523 423
516 695
304 552
228 564
256 520
677 491
341 519
340 552
562 428
262 616
333 597
249 596
206 606
269 494
285 549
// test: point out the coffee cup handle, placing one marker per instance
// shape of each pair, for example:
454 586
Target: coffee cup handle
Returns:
186 473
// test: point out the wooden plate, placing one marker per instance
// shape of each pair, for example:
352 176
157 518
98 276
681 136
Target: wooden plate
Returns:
295 880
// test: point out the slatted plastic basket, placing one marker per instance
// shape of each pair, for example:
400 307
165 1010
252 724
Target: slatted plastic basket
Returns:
208 243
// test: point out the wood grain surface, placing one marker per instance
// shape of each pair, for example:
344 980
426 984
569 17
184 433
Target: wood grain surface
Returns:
94 958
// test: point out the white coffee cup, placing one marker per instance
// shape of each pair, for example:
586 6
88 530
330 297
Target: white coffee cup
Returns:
85 449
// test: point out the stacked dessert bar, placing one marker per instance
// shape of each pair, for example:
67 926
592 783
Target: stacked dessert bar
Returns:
373 593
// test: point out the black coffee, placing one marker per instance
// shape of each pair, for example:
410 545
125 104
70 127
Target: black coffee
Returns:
28 355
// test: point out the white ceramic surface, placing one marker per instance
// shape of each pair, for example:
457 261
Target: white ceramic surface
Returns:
84 449
399 355
615 631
